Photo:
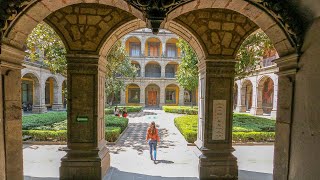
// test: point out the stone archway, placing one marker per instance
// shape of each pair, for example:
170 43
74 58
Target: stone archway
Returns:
152 95
246 95
265 95
172 94
133 94
30 92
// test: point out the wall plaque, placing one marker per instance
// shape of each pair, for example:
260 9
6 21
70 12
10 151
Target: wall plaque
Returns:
219 120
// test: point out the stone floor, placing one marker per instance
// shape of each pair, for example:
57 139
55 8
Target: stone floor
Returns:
130 157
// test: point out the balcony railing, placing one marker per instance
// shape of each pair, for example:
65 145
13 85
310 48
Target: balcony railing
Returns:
155 75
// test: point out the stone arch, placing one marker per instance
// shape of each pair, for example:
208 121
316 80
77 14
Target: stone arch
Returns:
172 50
171 95
30 90
258 15
265 95
153 69
152 94
133 46
51 90
246 94
133 93
153 47
171 68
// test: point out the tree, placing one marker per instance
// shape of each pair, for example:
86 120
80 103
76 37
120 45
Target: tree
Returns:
187 74
119 68
250 53
44 45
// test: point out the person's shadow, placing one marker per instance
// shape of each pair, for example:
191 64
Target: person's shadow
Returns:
164 162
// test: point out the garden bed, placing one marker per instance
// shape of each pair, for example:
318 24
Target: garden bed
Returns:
52 127
246 128
110 110
181 109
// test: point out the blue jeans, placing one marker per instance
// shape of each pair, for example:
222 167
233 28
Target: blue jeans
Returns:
153 145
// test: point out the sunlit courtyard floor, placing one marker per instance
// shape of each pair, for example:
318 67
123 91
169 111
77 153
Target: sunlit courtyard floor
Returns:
130 157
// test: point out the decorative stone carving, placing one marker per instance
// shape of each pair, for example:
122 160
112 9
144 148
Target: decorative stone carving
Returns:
217 36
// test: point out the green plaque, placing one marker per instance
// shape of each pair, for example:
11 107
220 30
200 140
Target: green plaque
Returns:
82 118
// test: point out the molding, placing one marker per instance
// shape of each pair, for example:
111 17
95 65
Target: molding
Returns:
288 65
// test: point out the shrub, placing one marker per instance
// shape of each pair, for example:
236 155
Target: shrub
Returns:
253 136
188 126
45 135
110 110
37 120
249 123
181 109
53 127
116 121
112 133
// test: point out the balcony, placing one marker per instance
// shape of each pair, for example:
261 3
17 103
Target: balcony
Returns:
153 75
170 75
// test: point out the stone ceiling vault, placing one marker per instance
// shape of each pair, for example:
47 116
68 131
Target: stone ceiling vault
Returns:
85 27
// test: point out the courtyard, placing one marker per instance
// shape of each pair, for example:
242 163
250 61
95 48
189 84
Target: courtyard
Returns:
130 157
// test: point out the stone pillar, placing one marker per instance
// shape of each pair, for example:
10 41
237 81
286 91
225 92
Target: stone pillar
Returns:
123 97
142 71
162 93
142 96
181 96
143 45
275 98
286 76
256 108
57 97
240 101
87 155
163 42
39 98
11 157
215 120
163 69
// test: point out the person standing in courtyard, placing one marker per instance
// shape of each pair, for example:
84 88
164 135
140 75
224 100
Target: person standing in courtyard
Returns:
152 138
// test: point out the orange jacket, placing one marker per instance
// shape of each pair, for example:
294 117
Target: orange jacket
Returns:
151 136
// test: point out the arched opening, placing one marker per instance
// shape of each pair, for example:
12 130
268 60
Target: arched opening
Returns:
152 95
137 65
266 94
51 90
133 47
133 94
64 94
153 69
246 94
29 89
172 94
171 69
172 51
153 47
235 96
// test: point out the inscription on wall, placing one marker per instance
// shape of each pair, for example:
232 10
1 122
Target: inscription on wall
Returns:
219 120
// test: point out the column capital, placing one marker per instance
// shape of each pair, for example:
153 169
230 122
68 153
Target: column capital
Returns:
86 63
288 65
217 68
12 54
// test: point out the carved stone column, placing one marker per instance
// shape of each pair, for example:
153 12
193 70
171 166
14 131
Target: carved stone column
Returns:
39 98
123 97
242 98
142 71
288 67
275 99
215 120
181 96
142 96
11 157
57 97
87 156
162 96
256 108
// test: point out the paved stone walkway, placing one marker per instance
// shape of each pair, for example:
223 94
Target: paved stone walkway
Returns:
130 158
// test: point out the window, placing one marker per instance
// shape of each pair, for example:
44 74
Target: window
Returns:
134 49
171 70
134 95
47 93
154 49
171 50
27 92
170 97
153 70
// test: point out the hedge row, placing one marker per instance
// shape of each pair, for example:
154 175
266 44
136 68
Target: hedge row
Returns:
115 121
181 109
249 123
36 120
110 110
112 134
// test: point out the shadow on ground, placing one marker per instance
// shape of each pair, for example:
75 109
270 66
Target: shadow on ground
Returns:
135 138
141 114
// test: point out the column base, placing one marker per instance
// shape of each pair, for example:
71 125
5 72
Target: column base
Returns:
256 111
218 165
85 164
241 109
57 107
39 109
273 114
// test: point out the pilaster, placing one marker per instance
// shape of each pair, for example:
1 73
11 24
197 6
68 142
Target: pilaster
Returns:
87 155
123 97
181 96
214 139
142 96
57 101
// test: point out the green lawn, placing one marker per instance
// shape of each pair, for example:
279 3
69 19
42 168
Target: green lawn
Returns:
245 128
110 110
52 126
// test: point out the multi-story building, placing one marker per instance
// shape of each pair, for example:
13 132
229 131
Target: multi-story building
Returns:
157 57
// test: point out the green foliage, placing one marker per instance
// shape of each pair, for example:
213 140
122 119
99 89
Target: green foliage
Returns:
119 68
44 43
46 135
110 109
46 119
251 51
181 109
246 128
187 74
116 121
54 127
112 133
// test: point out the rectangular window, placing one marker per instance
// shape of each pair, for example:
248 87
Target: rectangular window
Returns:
154 49
170 97
171 50
134 49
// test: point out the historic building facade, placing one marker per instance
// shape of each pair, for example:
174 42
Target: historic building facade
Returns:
41 89
157 58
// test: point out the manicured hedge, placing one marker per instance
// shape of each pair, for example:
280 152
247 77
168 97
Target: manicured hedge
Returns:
37 120
181 109
112 133
115 121
110 110
246 128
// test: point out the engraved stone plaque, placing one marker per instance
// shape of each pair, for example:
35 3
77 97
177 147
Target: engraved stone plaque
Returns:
219 120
